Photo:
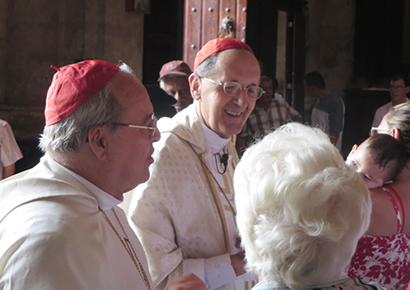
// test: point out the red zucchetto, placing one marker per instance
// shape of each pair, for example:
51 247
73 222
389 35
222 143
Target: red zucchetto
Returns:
218 45
73 85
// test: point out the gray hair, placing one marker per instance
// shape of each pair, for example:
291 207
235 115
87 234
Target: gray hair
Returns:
208 67
300 208
68 134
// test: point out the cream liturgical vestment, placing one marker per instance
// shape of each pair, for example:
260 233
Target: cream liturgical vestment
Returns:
184 215
58 231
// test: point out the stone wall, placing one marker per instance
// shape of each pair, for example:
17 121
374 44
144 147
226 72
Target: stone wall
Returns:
39 33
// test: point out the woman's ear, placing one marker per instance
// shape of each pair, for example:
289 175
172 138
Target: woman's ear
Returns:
195 84
396 133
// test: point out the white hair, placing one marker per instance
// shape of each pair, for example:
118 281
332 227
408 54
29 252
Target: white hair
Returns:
68 134
300 208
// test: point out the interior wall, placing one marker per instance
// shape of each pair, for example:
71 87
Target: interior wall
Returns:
39 33
330 43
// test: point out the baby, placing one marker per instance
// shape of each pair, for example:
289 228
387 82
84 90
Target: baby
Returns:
379 159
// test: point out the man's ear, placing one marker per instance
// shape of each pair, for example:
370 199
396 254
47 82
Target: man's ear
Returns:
195 85
407 89
396 133
97 141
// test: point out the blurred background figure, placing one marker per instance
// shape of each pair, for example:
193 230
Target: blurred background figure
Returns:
300 211
270 112
173 79
9 150
328 111
399 87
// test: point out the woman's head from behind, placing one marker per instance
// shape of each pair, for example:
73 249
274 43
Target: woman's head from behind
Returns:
301 209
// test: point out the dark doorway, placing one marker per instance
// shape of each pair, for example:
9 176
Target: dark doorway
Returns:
163 28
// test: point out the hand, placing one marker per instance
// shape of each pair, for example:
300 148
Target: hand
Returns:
187 282
238 263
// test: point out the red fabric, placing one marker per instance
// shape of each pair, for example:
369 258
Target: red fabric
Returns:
175 67
218 45
74 84
384 260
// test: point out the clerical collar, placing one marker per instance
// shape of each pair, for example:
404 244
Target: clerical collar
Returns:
105 201
215 142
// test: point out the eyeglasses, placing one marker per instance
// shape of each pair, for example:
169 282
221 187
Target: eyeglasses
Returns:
399 88
152 125
375 130
234 89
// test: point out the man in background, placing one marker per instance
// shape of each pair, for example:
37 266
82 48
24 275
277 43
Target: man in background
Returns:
9 151
270 113
328 110
173 79
399 88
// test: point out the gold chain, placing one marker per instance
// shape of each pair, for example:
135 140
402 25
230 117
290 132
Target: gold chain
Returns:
130 249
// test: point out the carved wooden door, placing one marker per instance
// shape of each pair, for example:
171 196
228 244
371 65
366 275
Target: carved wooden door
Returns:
208 19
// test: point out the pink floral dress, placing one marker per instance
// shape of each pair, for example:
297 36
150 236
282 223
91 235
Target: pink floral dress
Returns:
384 259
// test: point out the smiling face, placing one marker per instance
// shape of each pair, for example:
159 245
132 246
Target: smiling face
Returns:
130 149
222 113
364 163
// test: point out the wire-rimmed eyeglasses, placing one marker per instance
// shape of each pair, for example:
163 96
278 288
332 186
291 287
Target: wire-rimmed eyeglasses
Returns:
151 126
234 89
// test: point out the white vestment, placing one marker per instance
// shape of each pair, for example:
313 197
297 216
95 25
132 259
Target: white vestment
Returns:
182 215
53 235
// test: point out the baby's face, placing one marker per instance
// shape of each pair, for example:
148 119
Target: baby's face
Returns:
362 161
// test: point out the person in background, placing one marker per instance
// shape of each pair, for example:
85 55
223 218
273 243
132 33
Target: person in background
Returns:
60 227
173 79
383 254
328 110
378 160
300 211
270 112
9 151
185 215
399 88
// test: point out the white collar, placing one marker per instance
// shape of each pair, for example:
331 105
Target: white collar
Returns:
105 201
215 142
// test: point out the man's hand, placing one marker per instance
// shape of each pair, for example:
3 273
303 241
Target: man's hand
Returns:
238 263
187 282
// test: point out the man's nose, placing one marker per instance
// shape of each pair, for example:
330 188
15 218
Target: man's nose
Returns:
242 98
177 97
157 136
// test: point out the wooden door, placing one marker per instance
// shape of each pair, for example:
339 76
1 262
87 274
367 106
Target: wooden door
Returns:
208 19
